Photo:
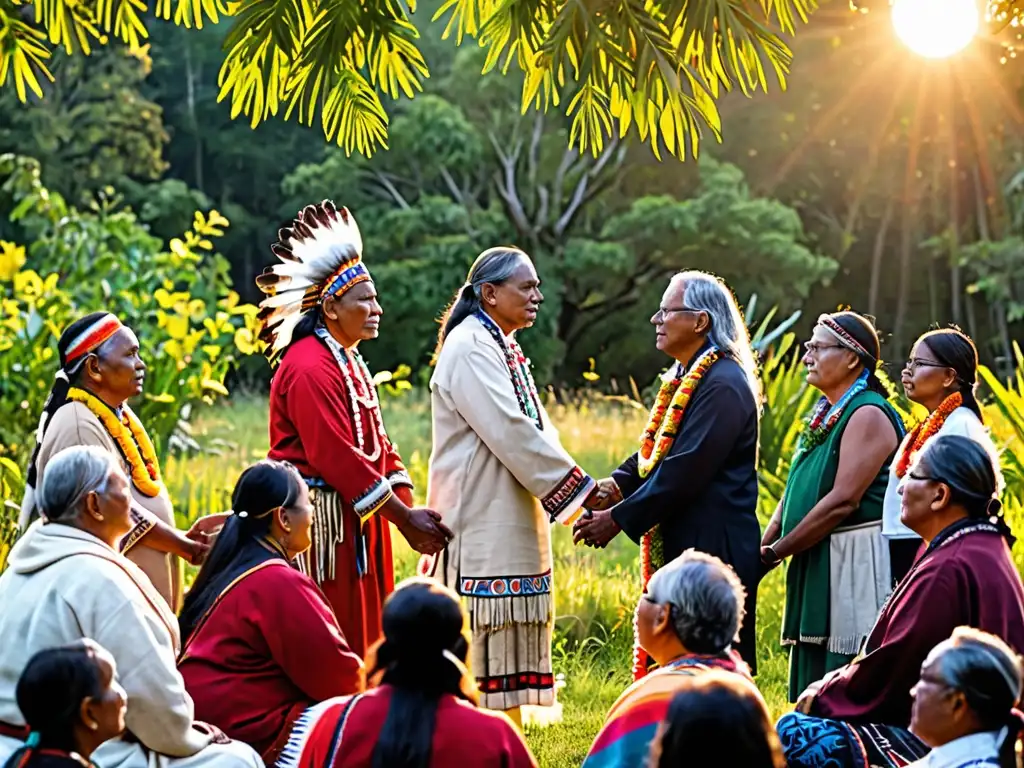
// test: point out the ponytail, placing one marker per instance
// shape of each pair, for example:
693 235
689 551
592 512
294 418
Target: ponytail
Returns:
465 303
1008 745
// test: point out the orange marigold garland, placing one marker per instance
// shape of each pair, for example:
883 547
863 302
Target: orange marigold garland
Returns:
924 431
131 438
656 441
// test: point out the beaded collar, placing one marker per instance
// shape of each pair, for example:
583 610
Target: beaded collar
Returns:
826 415
352 369
518 370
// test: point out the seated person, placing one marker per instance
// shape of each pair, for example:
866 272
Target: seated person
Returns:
686 621
860 713
716 718
72 703
261 644
66 581
423 712
964 703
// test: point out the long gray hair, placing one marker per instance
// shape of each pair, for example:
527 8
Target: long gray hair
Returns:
728 332
495 266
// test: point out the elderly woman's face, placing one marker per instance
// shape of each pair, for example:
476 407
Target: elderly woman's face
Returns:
652 620
938 707
922 495
113 506
828 362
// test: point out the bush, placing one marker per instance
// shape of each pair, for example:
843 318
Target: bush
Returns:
176 296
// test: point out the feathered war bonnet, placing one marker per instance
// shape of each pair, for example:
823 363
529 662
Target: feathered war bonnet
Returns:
321 254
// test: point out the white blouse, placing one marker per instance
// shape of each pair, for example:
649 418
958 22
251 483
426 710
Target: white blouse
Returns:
963 422
978 749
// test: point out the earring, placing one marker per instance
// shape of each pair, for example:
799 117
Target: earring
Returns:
94 726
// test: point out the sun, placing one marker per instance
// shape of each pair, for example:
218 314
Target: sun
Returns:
935 29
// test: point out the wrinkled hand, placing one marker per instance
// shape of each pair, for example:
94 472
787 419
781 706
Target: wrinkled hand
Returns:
425 532
595 529
604 496
206 528
806 700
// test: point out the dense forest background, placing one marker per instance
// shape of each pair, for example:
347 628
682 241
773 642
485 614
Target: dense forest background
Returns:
878 180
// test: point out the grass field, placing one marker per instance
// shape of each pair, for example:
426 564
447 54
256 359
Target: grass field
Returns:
595 591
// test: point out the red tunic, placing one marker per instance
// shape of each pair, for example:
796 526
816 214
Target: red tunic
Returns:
312 426
464 736
268 649
970 581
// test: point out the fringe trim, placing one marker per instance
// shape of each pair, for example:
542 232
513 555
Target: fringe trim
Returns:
328 532
848 645
488 615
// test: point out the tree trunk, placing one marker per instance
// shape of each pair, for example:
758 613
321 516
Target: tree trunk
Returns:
876 258
190 96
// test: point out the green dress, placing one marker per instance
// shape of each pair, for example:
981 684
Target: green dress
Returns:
805 622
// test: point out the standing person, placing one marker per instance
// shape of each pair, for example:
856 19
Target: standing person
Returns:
260 644
694 481
72 703
100 370
500 474
325 418
830 517
941 375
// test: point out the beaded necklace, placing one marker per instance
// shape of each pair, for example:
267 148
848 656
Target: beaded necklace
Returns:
826 415
925 431
354 368
518 369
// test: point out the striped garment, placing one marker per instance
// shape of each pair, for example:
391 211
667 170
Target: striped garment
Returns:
629 729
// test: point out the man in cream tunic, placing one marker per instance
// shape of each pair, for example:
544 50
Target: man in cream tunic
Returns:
500 477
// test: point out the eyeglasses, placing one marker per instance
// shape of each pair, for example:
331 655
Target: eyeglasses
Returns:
915 362
814 348
670 310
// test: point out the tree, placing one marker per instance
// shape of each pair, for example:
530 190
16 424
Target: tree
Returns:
657 67
93 129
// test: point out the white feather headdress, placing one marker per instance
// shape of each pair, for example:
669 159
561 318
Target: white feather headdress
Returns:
321 254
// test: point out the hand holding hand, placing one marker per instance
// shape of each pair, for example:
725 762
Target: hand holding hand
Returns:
206 528
425 532
595 529
604 496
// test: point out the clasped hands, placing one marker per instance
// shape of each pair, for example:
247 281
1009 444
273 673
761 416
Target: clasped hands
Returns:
597 527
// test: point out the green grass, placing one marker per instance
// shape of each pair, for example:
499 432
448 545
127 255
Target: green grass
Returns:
596 591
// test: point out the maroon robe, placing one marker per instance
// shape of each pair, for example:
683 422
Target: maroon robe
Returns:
267 649
969 580
464 735
311 426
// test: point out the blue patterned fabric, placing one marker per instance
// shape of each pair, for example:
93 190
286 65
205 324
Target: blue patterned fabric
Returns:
815 742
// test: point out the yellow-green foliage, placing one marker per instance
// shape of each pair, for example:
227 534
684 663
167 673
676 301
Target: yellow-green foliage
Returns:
177 297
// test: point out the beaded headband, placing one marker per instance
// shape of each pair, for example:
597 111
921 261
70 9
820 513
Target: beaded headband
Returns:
346 276
92 337
844 337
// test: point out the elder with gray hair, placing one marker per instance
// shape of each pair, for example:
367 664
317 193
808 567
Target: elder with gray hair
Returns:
65 582
693 483
685 621
500 477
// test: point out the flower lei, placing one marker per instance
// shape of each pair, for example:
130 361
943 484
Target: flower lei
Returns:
131 438
825 416
924 431
656 440
518 369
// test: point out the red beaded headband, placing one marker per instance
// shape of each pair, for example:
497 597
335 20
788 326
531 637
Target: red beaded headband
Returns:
845 337
92 337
